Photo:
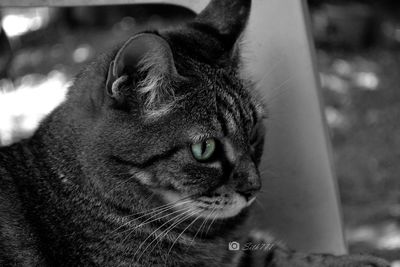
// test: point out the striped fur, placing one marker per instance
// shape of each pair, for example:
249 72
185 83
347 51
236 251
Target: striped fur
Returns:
109 178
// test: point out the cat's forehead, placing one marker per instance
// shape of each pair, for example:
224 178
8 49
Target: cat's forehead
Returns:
223 110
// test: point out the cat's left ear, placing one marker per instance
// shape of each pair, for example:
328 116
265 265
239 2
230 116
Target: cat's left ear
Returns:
146 63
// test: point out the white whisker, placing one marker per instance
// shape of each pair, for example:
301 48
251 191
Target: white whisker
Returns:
187 227
199 230
157 211
155 218
274 66
144 241
215 216
166 231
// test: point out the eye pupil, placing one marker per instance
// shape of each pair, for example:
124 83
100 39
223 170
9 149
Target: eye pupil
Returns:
203 151
203 147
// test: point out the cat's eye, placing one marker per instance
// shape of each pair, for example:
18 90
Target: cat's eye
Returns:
203 150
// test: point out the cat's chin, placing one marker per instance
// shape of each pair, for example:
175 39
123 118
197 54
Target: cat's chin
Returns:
222 203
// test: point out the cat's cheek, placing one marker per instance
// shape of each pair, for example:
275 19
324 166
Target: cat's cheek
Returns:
223 204
144 177
179 201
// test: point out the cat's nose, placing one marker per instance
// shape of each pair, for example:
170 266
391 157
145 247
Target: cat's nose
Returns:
249 188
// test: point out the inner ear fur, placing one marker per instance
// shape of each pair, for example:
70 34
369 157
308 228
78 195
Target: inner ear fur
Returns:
145 62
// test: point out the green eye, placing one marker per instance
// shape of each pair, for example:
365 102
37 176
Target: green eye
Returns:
204 150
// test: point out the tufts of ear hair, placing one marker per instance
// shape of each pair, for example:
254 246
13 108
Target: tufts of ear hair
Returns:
144 65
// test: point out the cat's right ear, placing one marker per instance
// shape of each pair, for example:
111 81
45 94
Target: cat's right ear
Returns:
228 18
144 63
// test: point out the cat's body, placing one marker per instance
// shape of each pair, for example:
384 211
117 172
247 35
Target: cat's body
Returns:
151 161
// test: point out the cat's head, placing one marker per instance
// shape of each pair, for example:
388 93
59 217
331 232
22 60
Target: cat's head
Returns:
178 120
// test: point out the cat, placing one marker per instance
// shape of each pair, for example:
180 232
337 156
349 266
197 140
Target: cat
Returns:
152 160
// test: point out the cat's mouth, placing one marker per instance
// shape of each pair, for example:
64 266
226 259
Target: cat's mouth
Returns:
222 203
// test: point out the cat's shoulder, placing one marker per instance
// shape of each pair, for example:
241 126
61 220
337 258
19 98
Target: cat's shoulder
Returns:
17 242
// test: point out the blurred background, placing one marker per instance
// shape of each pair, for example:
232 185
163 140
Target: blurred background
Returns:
358 58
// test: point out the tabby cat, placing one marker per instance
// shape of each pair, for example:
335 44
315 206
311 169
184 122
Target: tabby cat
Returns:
151 161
